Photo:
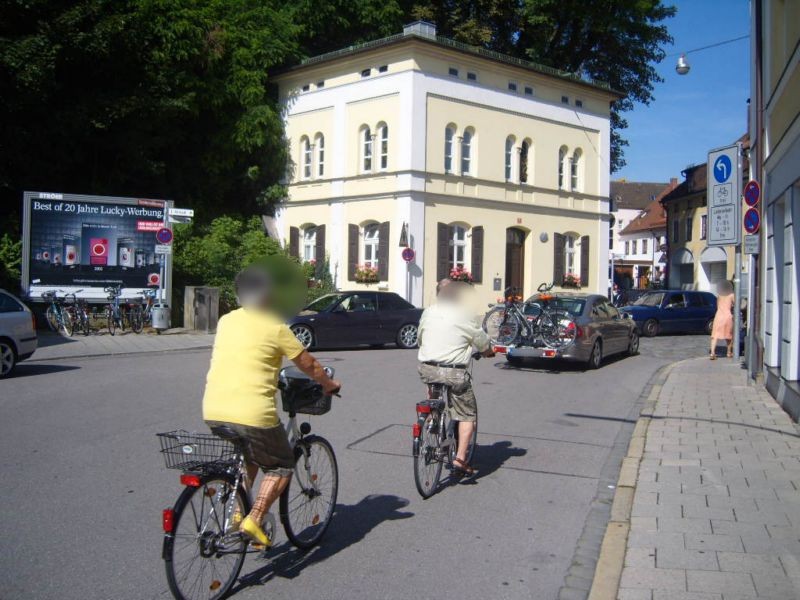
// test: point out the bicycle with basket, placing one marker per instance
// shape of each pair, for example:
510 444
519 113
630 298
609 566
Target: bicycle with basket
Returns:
200 527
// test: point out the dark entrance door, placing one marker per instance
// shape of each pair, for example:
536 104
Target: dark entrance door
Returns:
515 258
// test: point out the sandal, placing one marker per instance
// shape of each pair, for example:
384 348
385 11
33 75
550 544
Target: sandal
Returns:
464 469
713 356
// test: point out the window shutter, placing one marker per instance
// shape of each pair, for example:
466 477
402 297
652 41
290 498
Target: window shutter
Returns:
585 260
477 254
383 251
442 251
558 258
319 252
352 251
294 242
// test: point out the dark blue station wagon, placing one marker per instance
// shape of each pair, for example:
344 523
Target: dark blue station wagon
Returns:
673 311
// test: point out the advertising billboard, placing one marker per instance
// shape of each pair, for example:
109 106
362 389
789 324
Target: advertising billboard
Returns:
74 242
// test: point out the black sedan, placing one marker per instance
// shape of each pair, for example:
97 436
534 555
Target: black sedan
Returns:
347 319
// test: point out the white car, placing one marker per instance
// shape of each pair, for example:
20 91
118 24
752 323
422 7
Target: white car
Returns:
17 332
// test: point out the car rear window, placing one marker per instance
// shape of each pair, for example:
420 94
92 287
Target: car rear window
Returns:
324 302
8 304
573 306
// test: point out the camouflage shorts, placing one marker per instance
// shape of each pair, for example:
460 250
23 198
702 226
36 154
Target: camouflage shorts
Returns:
463 404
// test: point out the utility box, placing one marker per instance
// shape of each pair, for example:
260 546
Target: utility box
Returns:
201 308
160 317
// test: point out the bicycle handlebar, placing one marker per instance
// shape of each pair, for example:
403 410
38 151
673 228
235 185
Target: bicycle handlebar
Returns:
544 287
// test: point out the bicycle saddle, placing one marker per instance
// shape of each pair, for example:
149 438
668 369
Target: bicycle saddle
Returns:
225 432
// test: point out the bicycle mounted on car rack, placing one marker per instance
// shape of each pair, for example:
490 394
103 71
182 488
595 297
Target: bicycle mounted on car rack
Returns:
530 323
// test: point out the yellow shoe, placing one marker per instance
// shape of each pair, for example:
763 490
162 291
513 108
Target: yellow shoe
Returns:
252 530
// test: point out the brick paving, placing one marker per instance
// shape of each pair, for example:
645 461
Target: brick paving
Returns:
716 511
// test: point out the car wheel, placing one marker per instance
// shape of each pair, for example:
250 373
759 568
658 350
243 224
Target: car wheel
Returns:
596 357
304 335
8 358
709 326
633 344
650 328
407 336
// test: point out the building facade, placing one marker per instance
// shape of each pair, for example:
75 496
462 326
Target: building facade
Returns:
775 132
640 232
475 161
692 263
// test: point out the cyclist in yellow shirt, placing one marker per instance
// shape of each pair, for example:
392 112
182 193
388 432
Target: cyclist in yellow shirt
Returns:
242 380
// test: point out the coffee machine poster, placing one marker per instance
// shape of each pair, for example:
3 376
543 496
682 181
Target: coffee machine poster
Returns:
84 244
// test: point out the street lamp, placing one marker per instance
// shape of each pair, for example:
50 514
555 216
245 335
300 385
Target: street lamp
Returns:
683 66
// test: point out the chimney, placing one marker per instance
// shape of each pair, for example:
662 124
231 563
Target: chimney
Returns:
421 29
673 182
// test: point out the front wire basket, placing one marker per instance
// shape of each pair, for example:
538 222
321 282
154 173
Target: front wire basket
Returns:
189 451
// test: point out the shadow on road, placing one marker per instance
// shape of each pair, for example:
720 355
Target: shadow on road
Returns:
351 523
488 459
24 369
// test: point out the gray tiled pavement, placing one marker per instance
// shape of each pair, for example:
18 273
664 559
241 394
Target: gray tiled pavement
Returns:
716 512
54 347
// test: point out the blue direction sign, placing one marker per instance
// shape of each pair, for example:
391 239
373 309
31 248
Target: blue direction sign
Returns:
752 192
722 168
164 235
752 221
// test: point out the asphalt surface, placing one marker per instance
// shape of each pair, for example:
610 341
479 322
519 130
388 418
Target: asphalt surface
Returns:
84 485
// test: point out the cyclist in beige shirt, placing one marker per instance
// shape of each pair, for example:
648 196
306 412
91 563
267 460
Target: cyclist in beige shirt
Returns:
448 332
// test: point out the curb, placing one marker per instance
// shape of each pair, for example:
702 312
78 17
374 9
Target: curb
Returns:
608 572
127 353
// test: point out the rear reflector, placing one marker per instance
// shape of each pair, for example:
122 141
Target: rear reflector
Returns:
499 349
190 480
168 520
416 430
549 353
423 408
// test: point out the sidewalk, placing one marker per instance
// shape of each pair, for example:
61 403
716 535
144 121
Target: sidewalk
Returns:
55 347
708 494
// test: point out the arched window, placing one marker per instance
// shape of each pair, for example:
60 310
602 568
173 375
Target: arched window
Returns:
572 262
458 247
383 135
319 142
574 170
366 150
449 134
562 157
309 243
305 158
371 240
509 156
524 150
466 152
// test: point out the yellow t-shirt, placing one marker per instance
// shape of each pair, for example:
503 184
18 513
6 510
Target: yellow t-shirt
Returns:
248 351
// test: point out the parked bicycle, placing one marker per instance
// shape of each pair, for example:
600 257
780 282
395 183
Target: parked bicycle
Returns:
76 313
55 315
203 550
532 323
114 317
436 438
148 302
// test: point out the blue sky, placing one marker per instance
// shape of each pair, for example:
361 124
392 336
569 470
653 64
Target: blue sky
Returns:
693 113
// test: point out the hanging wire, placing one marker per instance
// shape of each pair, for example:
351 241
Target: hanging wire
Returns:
744 37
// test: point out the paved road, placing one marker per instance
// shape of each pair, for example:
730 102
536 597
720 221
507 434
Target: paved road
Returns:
84 485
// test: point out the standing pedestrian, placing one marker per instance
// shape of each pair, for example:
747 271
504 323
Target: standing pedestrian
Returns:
723 320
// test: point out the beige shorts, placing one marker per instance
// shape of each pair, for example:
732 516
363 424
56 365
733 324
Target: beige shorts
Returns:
463 404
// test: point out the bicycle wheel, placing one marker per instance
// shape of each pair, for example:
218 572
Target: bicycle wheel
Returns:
52 318
428 463
202 559
308 502
85 328
111 320
557 328
501 327
135 319
68 319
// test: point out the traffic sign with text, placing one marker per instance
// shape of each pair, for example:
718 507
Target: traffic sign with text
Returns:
724 196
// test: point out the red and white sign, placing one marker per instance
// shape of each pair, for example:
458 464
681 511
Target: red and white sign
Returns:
164 236
149 225
151 203
153 279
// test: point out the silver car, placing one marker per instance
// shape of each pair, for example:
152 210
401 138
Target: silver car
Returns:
18 339
601 330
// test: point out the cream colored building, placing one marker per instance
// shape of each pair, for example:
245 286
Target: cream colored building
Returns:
470 158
